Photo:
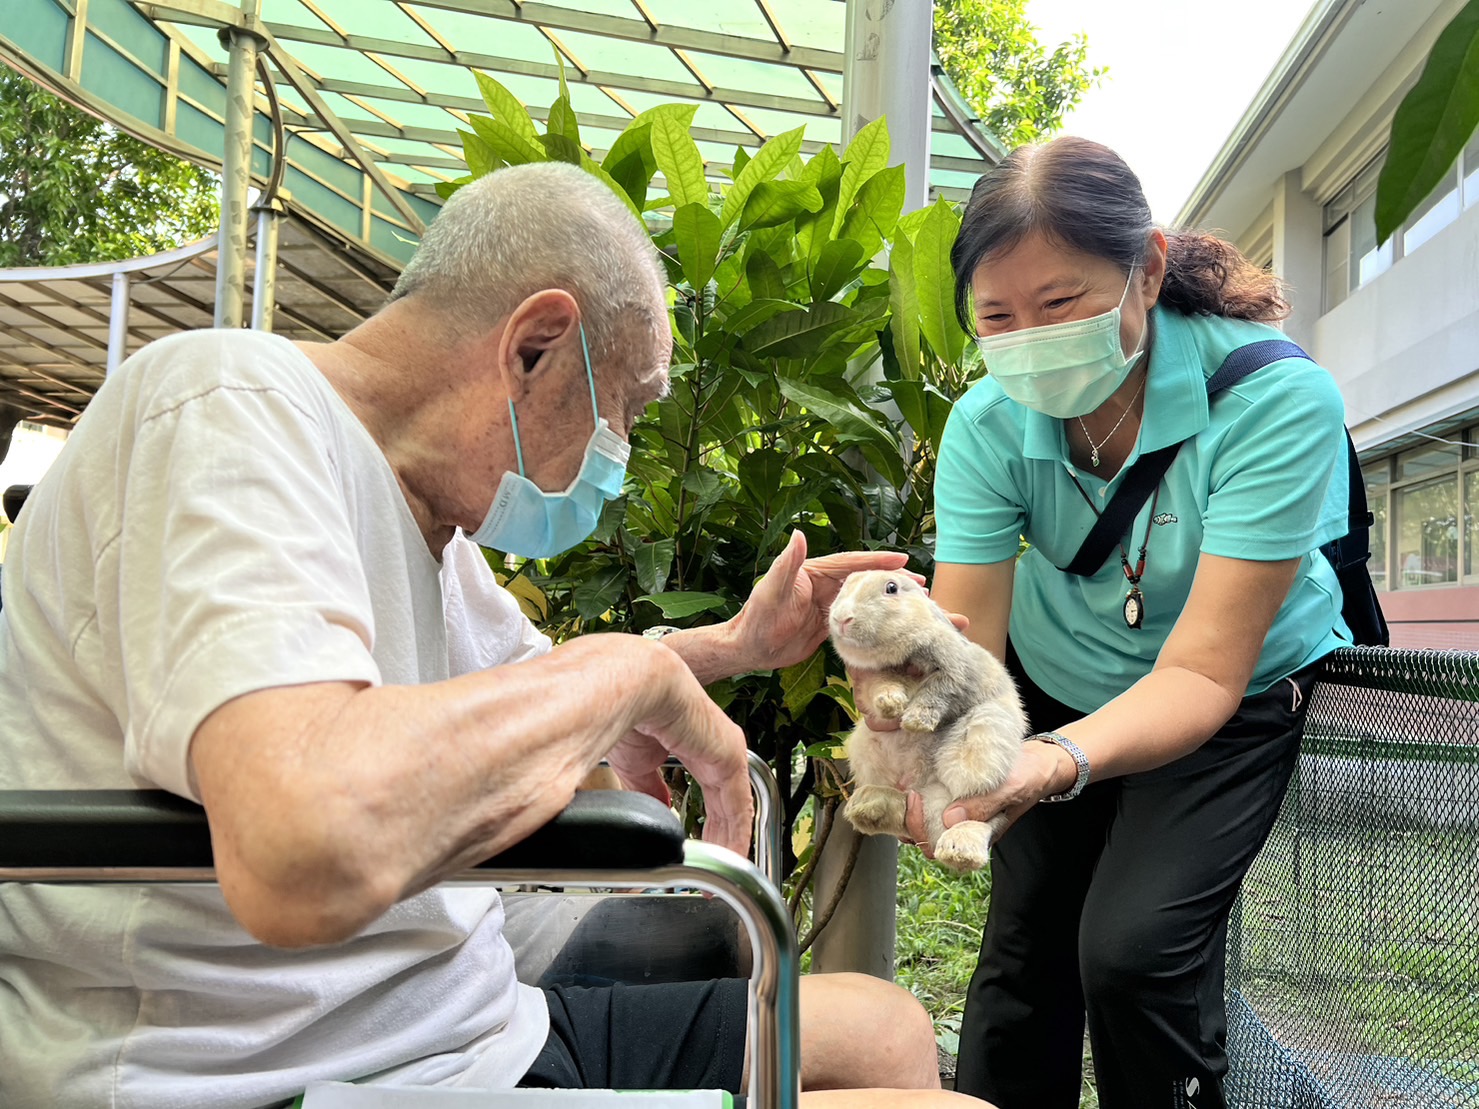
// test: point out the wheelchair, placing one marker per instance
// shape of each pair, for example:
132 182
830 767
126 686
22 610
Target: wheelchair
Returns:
603 840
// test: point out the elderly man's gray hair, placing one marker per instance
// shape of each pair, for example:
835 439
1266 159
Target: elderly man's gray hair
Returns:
548 225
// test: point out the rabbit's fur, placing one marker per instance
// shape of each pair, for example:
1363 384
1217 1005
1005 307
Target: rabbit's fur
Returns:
962 719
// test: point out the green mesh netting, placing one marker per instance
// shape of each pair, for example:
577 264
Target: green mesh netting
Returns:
1353 952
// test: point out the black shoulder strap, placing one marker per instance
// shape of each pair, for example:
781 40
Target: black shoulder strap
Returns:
1143 477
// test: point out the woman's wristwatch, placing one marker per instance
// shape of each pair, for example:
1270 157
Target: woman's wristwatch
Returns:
1079 759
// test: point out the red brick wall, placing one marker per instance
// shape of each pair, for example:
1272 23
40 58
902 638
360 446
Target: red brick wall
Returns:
1442 617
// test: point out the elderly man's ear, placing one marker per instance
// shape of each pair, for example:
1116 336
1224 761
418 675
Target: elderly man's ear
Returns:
542 322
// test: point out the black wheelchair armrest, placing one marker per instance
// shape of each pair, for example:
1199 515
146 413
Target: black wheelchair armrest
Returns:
91 829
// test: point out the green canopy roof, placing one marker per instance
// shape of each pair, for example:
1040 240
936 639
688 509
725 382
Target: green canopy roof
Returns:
372 92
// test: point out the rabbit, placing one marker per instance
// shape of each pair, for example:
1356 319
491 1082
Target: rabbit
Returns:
962 719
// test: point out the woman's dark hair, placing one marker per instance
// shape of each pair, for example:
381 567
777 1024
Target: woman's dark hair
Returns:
1082 195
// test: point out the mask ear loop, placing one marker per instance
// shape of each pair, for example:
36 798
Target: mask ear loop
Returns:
518 447
589 376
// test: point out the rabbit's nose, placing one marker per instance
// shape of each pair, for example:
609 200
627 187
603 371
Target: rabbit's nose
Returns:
843 623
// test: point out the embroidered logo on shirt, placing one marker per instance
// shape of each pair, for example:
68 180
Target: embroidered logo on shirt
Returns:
1164 518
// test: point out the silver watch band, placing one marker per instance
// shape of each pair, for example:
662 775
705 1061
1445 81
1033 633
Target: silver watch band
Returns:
1079 759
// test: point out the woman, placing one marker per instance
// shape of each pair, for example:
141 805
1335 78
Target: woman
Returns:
1168 686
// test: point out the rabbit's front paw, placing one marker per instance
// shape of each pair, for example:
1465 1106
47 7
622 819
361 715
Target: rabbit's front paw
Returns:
890 701
920 718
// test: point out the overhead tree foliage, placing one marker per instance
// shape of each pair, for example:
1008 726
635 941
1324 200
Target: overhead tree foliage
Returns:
1021 89
74 189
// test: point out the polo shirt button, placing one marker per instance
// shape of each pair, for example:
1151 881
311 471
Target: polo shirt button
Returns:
1103 489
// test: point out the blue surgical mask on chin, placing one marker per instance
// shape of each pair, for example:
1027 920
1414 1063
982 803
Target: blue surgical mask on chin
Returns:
525 520
1063 369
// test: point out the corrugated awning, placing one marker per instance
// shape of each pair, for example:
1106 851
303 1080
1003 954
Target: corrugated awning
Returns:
364 99
55 322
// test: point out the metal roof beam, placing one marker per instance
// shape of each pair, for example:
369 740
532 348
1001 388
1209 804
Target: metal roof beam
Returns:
639 30
497 64
378 128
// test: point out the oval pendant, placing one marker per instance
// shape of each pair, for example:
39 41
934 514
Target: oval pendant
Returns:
1134 609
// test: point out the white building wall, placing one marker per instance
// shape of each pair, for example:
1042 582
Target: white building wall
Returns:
1405 347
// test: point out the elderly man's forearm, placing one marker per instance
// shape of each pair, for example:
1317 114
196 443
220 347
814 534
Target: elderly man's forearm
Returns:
329 803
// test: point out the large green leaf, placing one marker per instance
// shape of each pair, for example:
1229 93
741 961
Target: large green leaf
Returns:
934 281
764 276
480 157
924 407
766 165
756 312
741 158
598 592
802 682
697 232
1432 124
865 156
654 564
903 301
678 604
562 120
630 163
505 107
511 146
760 474
800 334
594 169
909 222
851 421
840 261
875 212
815 231
561 149
775 202
678 157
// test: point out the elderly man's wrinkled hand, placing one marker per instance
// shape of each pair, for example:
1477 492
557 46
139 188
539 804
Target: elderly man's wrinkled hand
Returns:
785 619
688 725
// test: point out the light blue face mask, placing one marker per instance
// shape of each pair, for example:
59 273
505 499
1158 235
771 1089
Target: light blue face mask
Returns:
1063 369
525 520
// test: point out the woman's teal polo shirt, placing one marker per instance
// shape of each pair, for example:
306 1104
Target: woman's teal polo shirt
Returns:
1262 476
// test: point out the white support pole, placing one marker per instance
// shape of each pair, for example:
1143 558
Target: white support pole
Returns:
118 320
886 72
236 175
264 281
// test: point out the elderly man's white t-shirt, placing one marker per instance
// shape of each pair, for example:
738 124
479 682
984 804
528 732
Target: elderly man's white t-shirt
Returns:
220 523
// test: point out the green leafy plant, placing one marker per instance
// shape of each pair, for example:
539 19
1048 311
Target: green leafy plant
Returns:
810 388
1022 89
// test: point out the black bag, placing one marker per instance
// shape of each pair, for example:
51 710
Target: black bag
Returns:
1348 555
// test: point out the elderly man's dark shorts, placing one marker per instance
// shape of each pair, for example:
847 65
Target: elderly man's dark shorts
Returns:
679 1036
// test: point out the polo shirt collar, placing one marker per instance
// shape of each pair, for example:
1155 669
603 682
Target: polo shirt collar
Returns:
1175 396
1176 390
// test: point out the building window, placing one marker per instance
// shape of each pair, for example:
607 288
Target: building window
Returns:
1352 256
1425 506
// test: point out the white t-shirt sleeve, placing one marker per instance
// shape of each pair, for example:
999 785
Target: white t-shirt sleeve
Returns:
236 567
485 626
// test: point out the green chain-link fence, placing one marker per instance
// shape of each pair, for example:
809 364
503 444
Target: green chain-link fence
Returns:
1353 953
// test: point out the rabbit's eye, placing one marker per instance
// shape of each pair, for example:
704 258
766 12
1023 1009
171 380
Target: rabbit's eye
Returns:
891 588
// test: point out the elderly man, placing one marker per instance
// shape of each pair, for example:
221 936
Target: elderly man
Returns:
249 580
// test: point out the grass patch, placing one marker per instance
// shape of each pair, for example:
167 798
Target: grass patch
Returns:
940 919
